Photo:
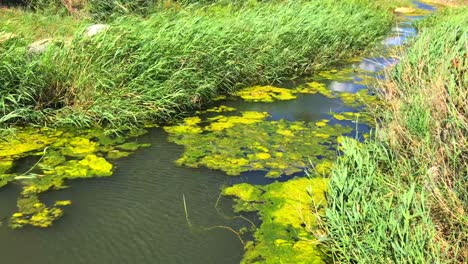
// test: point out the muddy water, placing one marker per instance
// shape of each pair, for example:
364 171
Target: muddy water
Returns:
138 214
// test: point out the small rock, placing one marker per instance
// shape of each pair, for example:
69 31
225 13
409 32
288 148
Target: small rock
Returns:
39 46
95 29
404 10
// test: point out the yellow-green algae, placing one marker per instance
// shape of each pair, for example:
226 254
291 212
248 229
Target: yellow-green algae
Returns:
24 141
316 87
288 211
361 98
250 142
347 74
5 165
269 94
266 94
360 117
218 109
132 146
219 123
62 155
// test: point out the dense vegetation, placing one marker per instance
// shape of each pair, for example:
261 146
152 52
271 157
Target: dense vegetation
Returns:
172 60
402 197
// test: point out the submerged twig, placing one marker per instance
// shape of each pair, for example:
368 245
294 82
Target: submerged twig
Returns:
186 212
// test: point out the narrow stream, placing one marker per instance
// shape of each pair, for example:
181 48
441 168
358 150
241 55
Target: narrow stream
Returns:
138 216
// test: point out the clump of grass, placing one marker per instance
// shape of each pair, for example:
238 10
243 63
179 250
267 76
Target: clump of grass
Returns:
159 66
402 197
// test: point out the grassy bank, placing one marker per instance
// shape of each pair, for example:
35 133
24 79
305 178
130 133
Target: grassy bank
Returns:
155 67
402 197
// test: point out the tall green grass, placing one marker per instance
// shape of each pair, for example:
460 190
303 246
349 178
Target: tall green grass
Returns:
402 197
156 67
106 10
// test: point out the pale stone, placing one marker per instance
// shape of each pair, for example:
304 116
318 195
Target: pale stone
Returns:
96 29
39 46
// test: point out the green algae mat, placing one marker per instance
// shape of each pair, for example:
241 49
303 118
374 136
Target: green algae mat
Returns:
220 138
250 142
290 213
237 142
61 155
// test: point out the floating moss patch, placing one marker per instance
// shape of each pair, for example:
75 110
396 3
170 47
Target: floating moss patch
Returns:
249 142
80 146
63 203
244 192
289 212
322 123
219 123
317 87
62 155
51 159
98 166
189 126
360 117
266 94
117 154
5 165
365 79
343 75
132 146
219 98
339 117
35 213
26 141
5 179
269 94
361 98
218 109
324 168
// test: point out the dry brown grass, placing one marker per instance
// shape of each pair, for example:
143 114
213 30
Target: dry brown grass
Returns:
441 149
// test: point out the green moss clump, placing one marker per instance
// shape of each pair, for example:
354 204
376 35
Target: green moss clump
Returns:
249 142
35 213
190 126
360 117
317 87
5 165
269 94
117 154
26 141
343 75
324 168
63 156
266 94
218 109
289 212
361 98
132 146
220 123
244 192
5 179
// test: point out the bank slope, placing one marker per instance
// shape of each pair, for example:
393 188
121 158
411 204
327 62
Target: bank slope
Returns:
402 197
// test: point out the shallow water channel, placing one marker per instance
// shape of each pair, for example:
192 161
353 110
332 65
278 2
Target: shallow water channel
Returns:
138 214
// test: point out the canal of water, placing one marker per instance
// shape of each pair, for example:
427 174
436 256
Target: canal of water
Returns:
138 214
